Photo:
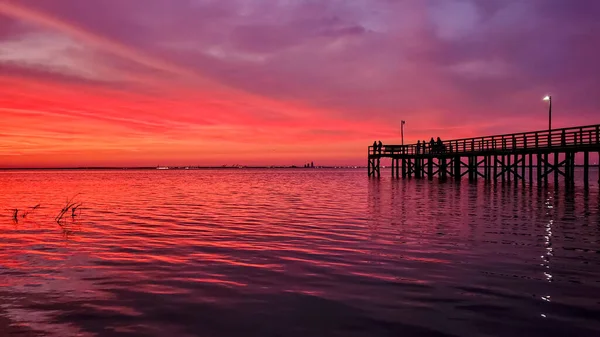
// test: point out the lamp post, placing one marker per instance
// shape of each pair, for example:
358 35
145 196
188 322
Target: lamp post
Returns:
549 99
402 131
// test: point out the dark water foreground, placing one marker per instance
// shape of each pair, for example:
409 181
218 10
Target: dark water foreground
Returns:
294 253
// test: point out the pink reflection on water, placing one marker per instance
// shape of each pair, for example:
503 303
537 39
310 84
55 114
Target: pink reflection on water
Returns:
225 239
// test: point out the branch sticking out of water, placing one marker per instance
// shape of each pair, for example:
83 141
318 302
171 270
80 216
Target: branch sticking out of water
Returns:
31 209
16 215
70 205
74 209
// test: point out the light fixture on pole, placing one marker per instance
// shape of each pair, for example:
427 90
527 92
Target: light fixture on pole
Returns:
549 99
402 131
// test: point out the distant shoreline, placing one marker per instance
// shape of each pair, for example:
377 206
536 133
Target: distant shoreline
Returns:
178 168
194 168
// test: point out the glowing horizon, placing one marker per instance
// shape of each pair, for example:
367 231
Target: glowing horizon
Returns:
208 83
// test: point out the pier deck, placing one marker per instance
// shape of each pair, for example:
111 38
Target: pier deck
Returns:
501 157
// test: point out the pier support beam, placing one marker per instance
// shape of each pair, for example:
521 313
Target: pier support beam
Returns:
503 169
570 168
523 169
507 168
586 169
373 167
556 167
430 168
531 168
457 173
486 167
495 167
443 168
470 167
516 169
567 169
545 165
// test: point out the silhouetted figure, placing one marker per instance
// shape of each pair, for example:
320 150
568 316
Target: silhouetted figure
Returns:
374 147
380 146
432 145
440 145
312 164
418 146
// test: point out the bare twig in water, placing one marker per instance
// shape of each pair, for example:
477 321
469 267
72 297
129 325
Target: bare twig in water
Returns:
69 206
26 213
74 209
16 215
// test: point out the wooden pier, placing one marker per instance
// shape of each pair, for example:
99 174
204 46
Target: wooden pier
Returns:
518 157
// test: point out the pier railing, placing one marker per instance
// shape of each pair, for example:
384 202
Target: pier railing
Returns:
536 140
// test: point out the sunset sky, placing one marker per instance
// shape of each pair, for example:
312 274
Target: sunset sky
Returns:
260 82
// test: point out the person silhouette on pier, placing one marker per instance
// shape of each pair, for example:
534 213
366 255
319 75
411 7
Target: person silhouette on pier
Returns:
440 145
432 145
380 146
418 146
374 147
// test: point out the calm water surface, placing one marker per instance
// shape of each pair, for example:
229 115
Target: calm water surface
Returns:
294 253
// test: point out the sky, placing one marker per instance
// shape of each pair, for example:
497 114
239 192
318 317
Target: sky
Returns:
283 82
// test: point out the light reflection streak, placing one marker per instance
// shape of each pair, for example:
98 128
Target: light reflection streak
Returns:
548 205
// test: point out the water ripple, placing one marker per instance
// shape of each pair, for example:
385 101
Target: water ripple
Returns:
295 253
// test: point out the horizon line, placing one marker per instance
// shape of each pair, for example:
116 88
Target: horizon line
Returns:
175 167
